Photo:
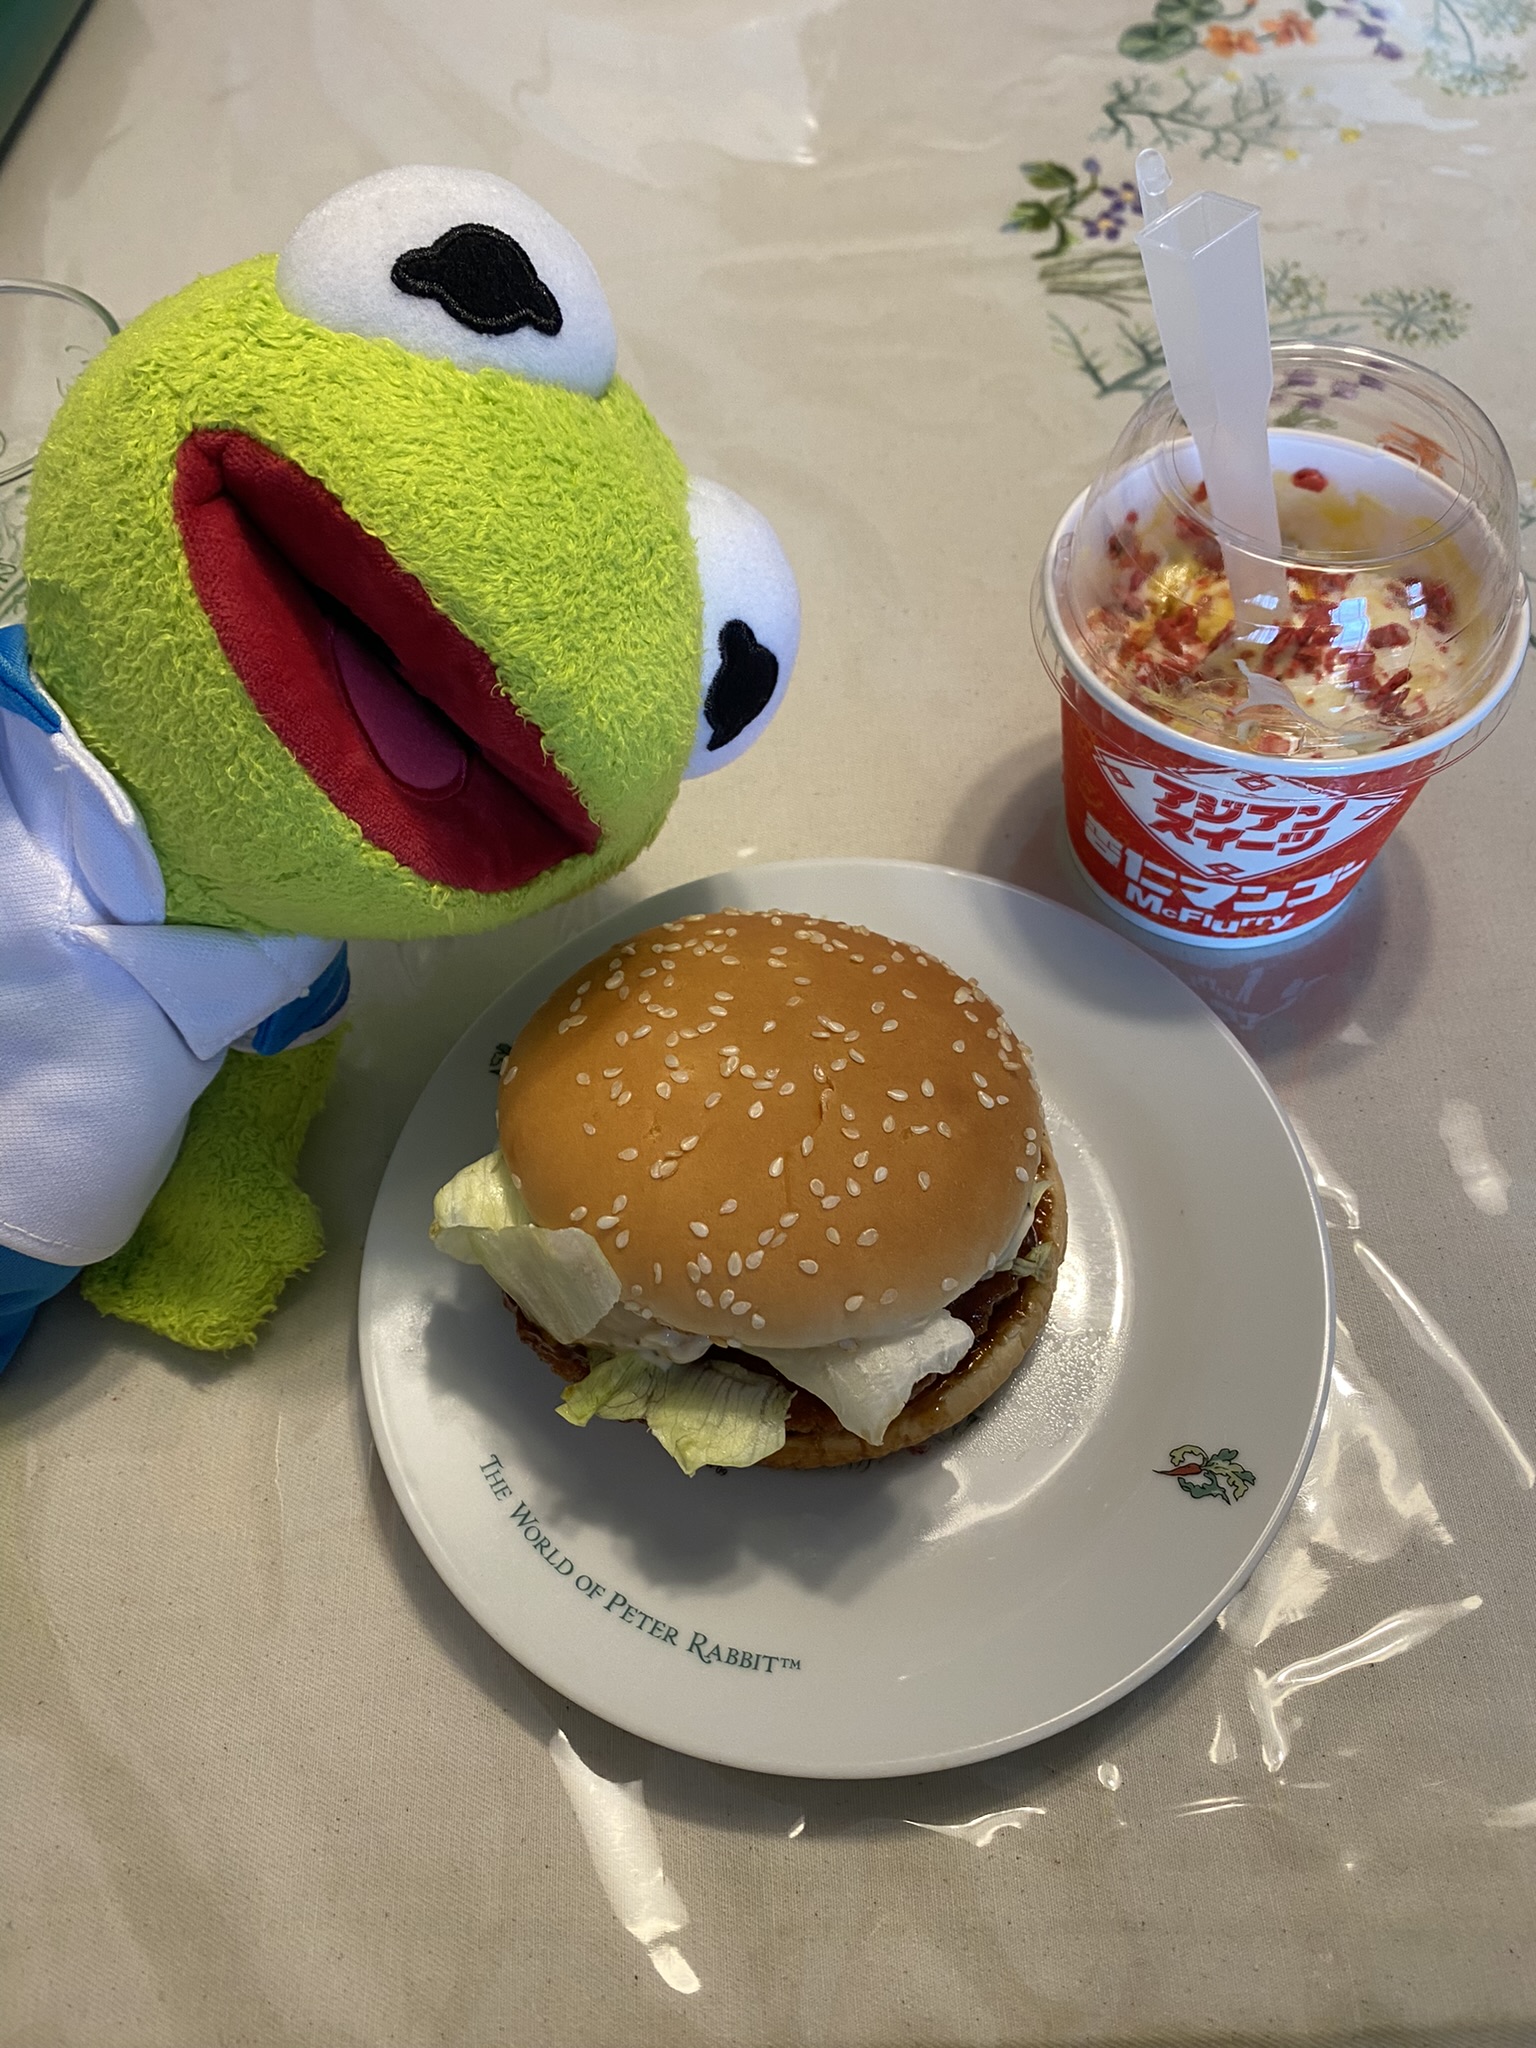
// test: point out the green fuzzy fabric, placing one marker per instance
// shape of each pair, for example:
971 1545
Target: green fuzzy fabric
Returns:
229 1226
552 528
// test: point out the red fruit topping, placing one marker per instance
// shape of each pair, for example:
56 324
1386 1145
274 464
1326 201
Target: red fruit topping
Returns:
1309 480
1388 636
1439 605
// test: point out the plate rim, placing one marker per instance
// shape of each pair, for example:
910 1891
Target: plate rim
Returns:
640 1723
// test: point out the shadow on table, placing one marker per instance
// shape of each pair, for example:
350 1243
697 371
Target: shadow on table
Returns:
1331 996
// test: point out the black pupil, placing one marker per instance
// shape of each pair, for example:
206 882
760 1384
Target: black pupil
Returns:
483 278
743 683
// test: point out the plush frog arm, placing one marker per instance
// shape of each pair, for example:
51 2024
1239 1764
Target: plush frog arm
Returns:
229 1225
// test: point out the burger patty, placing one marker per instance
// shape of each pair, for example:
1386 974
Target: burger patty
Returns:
987 1307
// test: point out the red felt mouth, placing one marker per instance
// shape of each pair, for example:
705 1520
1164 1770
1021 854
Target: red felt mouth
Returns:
385 704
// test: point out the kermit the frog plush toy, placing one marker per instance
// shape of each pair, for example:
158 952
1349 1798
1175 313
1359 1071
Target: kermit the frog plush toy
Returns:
364 601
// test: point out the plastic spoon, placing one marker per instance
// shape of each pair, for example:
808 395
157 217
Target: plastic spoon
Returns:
1206 277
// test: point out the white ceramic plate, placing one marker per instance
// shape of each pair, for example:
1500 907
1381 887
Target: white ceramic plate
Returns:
927 1609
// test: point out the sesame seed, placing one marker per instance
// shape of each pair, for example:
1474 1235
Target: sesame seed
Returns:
877 1009
706 1266
949 1285
881 1173
854 1301
833 1238
971 1017
888 1297
624 1097
630 1152
818 1187
897 1094
579 1215
695 1271
727 1296
979 1079
924 1182
590 1129
621 1240
699 1229
807 1146
664 1090
789 1219
802 981
740 1308
728 1208
711 1100
703 1294
1022 1173
958 1046
606 1222
1001 1100
853 1187
750 1072
786 1087
756 1109
758 1323
869 1237
620 1202
776 1167
733 1265
656 1273
687 1144
927 1087
889 1124
890 1024
1030 1131
944 1131
583 1080
830 1201
716 1010
857 1058
672 1060
809 1266
1029 1151
986 1101
644 1031
878 970
753 1260
761 1085
778 1239
664 1169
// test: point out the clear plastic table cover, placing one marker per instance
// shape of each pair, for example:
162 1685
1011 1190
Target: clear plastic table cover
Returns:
263 1781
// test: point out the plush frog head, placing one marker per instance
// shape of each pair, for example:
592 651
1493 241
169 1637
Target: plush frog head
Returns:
386 600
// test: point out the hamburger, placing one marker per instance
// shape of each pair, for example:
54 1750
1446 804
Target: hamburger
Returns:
778 1187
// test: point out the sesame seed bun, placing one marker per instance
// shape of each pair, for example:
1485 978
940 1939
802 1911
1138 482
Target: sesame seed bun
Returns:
782 1131
941 1403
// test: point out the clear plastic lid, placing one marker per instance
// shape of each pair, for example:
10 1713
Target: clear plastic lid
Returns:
1397 598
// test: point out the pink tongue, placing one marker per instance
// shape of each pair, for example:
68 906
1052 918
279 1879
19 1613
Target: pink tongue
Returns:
416 744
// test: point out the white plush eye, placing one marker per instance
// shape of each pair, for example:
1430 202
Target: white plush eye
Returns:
751 624
455 264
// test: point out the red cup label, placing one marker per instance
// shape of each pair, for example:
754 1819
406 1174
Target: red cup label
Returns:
1217 853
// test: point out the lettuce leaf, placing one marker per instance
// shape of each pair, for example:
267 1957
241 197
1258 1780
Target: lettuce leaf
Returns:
558 1277
866 1385
719 1414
